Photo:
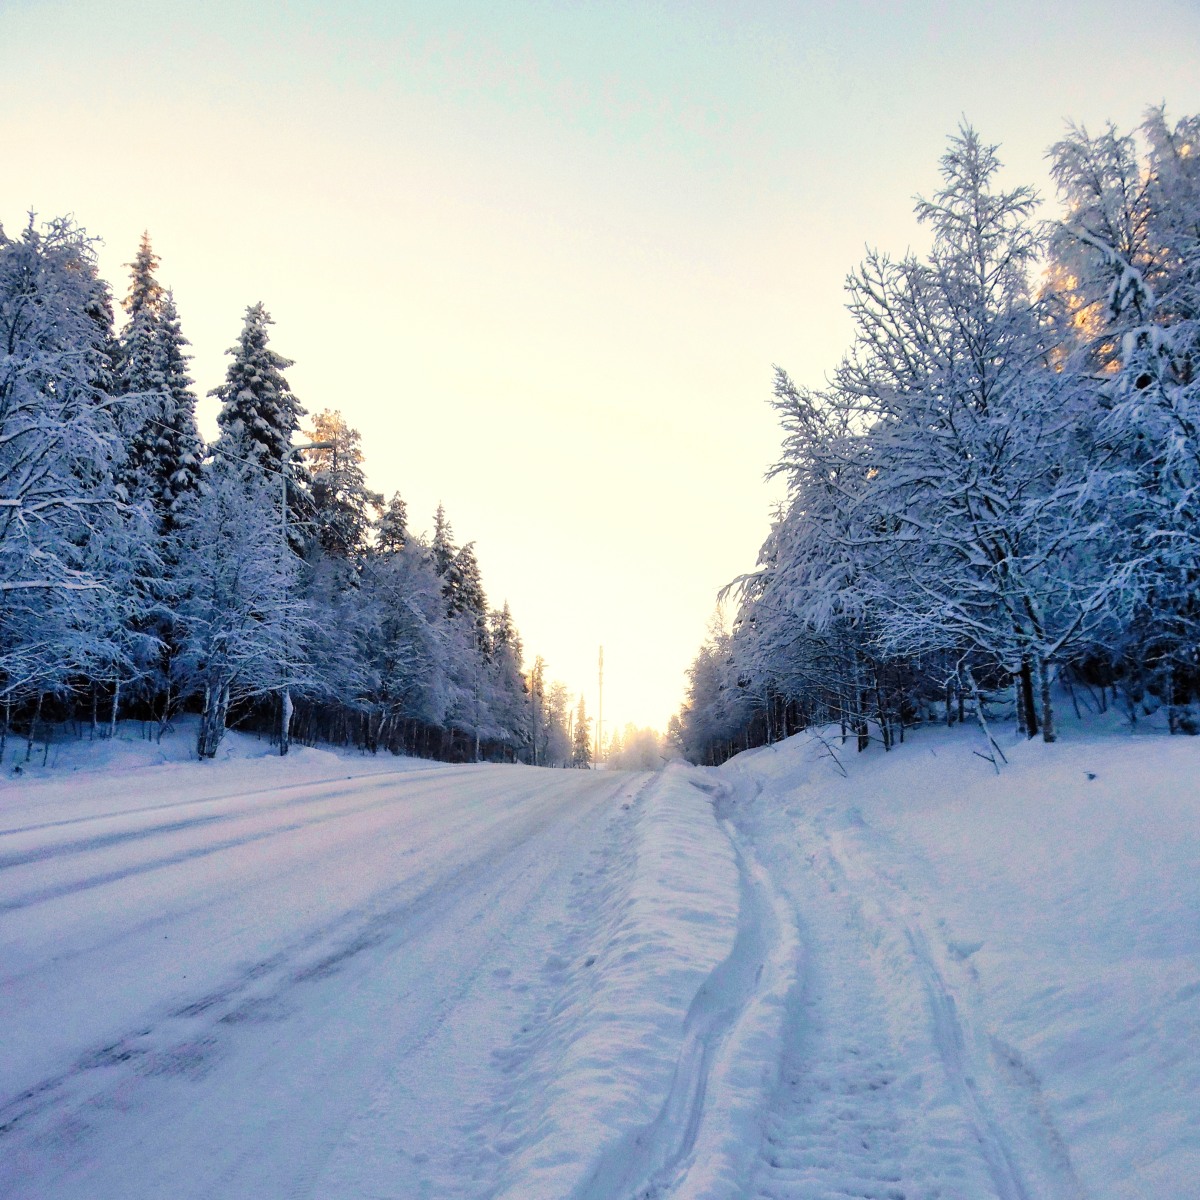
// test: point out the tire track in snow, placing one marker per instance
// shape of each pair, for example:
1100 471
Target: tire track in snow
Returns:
184 1039
221 797
1022 1151
116 839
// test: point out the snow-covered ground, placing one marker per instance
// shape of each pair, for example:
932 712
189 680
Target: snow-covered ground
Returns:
337 976
1000 987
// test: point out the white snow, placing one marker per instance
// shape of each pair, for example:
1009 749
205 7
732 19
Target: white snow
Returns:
1002 991
338 976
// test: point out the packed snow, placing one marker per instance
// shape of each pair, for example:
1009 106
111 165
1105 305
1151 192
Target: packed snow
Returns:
342 976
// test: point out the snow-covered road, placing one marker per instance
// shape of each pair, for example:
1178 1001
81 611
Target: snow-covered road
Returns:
281 990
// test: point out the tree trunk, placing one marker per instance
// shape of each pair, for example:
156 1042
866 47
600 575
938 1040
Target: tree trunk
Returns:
1048 733
37 716
1030 722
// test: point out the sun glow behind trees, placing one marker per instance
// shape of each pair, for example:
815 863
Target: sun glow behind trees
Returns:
138 580
1001 482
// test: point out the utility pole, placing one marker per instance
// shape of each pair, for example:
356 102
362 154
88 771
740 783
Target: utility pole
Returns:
285 697
600 712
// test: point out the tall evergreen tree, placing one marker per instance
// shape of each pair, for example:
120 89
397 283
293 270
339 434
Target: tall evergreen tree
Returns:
442 546
157 414
259 416
462 585
139 378
342 502
180 446
581 743
391 530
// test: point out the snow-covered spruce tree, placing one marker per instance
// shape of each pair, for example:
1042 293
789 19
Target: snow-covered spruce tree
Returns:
462 586
258 419
161 466
1128 252
58 450
537 711
391 528
508 699
260 416
581 743
558 721
180 449
139 381
442 545
342 501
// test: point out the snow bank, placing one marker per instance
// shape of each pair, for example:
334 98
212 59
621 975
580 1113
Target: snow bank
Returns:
603 1066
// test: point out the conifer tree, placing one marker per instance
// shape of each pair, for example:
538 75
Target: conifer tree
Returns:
462 585
139 378
391 530
180 446
158 411
342 502
442 546
581 748
259 416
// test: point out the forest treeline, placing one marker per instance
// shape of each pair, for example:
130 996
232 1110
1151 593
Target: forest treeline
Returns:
144 573
994 497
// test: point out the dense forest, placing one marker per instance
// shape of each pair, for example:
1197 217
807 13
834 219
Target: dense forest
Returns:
994 500
256 581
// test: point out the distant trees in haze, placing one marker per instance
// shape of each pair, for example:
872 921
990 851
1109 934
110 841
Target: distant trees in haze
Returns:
143 573
1000 484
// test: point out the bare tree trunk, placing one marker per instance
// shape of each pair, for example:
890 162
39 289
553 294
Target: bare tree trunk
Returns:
1026 707
1048 731
285 721
33 721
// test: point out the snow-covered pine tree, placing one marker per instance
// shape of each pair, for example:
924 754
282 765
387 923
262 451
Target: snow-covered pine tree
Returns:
462 585
507 695
180 447
581 738
140 382
342 501
442 545
391 529
259 417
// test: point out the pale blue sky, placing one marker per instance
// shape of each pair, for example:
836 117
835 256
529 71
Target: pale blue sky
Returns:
544 255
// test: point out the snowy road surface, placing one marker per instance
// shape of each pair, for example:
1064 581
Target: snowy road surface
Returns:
331 978
296 990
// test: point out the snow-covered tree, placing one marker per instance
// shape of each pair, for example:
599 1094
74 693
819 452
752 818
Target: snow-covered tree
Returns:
581 743
342 501
242 626
1130 247
180 447
260 416
442 545
391 528
58 447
